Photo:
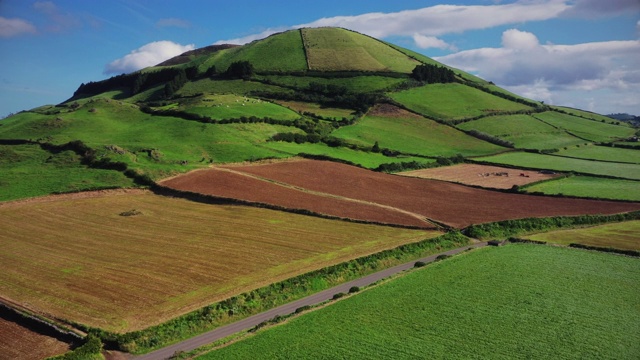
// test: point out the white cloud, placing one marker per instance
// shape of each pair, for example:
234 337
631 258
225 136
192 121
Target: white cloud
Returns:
147 55
249 38
15 27
601 8
542 72
431 21
516 39
426 42
173 22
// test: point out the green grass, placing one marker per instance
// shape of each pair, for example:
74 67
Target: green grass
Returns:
585 114
366 159
524 131
332 49
622 235
588 129
357 84
516 301
317 109
175 140
539 161
603 153
28 171
414 135
453 101
240 87
593 187
230 106
278 52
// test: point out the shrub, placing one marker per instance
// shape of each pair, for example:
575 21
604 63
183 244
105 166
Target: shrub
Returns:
419 264
338 296
354 289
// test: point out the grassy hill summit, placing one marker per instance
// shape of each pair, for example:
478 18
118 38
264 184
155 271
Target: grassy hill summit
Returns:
327 92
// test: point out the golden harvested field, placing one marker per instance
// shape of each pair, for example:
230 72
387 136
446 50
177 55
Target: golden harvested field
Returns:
79 259
18 342
480 175
624 235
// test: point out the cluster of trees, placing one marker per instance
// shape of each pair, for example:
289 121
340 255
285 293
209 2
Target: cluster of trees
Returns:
433 74
361 102
240 70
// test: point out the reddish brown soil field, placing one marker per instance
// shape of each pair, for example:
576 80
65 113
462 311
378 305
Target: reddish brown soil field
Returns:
230 184
17 342
453 204
481 175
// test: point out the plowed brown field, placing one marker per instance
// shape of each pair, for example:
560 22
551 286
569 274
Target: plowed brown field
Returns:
481 175
18 342
452 204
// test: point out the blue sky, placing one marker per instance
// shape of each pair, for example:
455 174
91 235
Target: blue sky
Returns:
580 53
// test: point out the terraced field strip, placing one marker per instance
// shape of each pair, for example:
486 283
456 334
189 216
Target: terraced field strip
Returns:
559 163
516 301
448 203
81 260
624 235
481 175
239 185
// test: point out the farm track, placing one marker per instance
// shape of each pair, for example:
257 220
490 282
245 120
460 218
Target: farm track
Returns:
333 196
245 324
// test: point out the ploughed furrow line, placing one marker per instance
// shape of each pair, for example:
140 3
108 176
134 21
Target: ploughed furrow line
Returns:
332 196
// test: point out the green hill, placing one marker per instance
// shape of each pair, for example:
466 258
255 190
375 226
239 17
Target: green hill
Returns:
323 91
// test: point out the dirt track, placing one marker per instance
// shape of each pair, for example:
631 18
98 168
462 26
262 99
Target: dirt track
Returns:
452 204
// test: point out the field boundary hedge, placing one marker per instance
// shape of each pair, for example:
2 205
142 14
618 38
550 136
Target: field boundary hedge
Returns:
512 228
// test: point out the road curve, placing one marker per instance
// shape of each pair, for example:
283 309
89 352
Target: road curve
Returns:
247 323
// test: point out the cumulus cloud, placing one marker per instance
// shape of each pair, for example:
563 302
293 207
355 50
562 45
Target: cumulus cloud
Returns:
173 22
526 67
15 27
426 42
147 55
58 20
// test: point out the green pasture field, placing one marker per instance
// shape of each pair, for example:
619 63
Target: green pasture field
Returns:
240 87
453 101
622 235
176 141
278 52
558 163
326 112
515 301
83 261
592 187
332 49
586 114
603 153
359 84
588 129
414 135
523 130
28 171
369 160
230 106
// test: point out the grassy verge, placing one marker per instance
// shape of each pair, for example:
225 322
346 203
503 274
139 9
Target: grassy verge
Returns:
623 235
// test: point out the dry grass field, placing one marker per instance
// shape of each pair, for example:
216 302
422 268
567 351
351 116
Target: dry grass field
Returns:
82 260
622 235
481 175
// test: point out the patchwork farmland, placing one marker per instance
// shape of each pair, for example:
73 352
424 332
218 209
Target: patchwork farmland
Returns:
434 200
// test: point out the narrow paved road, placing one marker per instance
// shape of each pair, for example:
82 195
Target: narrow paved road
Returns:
245 324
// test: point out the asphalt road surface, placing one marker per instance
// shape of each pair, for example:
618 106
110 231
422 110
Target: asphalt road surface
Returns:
247 323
